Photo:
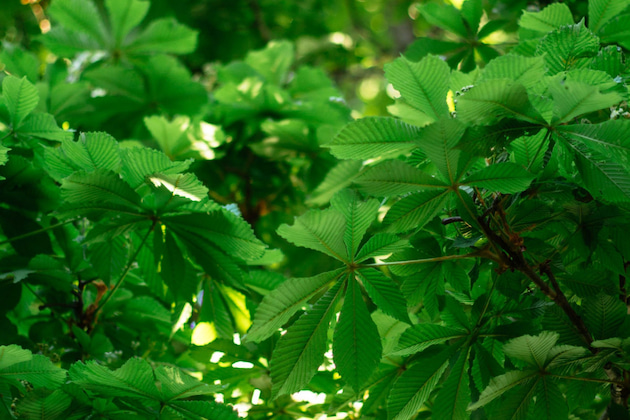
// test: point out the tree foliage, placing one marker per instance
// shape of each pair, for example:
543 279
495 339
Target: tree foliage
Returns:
243 240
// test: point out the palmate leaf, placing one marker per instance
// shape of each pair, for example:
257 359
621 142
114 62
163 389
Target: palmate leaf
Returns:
550 18
138 162
532 349
604 315
372 137
280 304
359 216
338 178
415 385
300 351
616 31
525 379
273 62
454 397
600 12
491 100
384 293
414 211
504 177
572 98
356 343
550 402
124 15
182 185
422 85
92 151
565 48
176 385
445 16
422 336
395 177
20 97
322 231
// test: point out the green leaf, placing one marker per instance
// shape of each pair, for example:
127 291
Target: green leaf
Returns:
601 12
356 343
125 15
99 186
38 370
550 18
604 315
359 216
21 98
491 100
223 228
384 293
414 211
43 404
439 141
43 126
322 231
138 162
280 304
602 177
454 397
176 385
91 152
522 70
338 178
550 402
572 99
80 16
164 36
503 383
380 245
445 16
395 177
273 62
415 385
471 11
134 379
565 48
616 31
423 85
172 265
181 185
532 349
372 137
504 177
201 410
422 336
300 351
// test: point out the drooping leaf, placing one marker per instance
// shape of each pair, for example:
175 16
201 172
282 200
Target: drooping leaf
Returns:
504 177
356 343
372 137
300 351
322 231
281 303
423 85
384 293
